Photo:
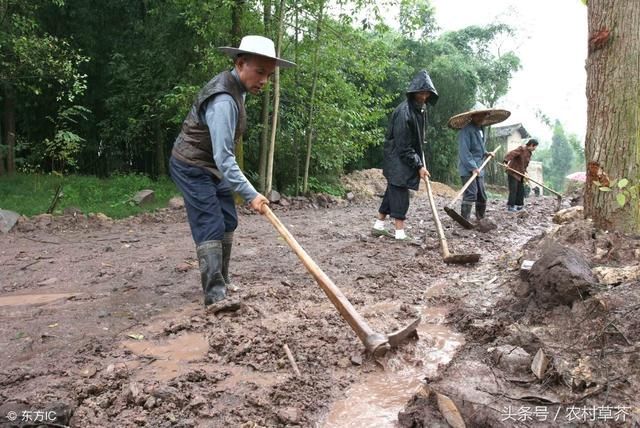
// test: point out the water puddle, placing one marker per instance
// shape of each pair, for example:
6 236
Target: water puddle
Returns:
33 299
172 357
377 399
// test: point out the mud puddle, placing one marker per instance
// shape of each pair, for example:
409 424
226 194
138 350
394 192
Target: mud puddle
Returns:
377 399
170 358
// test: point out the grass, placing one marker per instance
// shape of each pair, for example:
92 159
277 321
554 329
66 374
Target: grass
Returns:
31 194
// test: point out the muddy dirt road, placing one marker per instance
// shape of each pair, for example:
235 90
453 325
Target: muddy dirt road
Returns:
102 323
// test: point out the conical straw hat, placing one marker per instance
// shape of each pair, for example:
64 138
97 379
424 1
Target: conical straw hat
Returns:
492 116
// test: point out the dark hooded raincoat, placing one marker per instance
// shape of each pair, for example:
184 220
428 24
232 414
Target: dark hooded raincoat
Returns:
405 136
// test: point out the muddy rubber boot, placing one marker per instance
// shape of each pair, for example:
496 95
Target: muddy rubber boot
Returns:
480 210
227 244
465 210
210 261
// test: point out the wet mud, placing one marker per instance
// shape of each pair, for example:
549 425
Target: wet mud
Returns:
103 324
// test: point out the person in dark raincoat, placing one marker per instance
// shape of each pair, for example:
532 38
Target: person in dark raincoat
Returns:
403 165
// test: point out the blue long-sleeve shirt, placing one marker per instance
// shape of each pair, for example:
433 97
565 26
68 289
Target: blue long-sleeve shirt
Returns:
471 150
221 115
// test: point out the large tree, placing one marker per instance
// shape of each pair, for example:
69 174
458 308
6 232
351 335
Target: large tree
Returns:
613 115
33 62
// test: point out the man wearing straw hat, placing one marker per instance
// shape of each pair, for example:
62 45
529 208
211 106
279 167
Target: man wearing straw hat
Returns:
471 153
402 163
203 164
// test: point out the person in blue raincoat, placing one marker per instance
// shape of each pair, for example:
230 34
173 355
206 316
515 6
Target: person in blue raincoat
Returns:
471 154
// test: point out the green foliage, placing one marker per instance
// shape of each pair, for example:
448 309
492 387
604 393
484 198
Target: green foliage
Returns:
623 191
137 66
63 148
328 187
561 155
31 194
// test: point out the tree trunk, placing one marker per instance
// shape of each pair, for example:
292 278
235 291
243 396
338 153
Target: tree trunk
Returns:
309 129
161 161
236 34
266 104
9 127
276 103
613 113
3 171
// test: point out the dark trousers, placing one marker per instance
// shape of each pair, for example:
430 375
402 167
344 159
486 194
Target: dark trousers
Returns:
516 191
395 202
211 210
475 193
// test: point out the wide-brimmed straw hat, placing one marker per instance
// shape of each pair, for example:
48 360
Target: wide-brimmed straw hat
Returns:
257 45
491 117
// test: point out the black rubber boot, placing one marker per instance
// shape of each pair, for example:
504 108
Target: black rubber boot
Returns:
227 244
465 210
480 210
210 261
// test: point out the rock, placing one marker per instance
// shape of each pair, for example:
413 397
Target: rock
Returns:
8 219
274 196
343 363
25 225
167 393
133 393
176 203
511 358
568 215
183 267
144 197
486 225
43 220
284 202
356 360
99 218
617 275
560 276
539 364
150 403
225 305
289 415
72 211
525 268
350 196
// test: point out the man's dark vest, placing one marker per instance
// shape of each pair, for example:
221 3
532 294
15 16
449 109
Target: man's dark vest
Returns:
193 145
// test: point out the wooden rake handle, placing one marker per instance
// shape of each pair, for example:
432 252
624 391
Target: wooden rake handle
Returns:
530 179
371 339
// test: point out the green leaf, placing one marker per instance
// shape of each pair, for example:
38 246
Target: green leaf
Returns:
623 183
596 183
622 199
605 189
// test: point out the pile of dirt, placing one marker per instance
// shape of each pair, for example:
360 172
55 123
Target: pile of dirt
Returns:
567 358
369 183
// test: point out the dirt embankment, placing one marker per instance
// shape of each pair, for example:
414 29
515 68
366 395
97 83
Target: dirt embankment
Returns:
103 323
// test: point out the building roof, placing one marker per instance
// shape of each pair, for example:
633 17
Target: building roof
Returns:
505 131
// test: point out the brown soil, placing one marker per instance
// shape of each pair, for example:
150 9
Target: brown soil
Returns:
103 324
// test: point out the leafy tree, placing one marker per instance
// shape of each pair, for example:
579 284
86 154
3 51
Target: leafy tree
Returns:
612 145
32 63
561 157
